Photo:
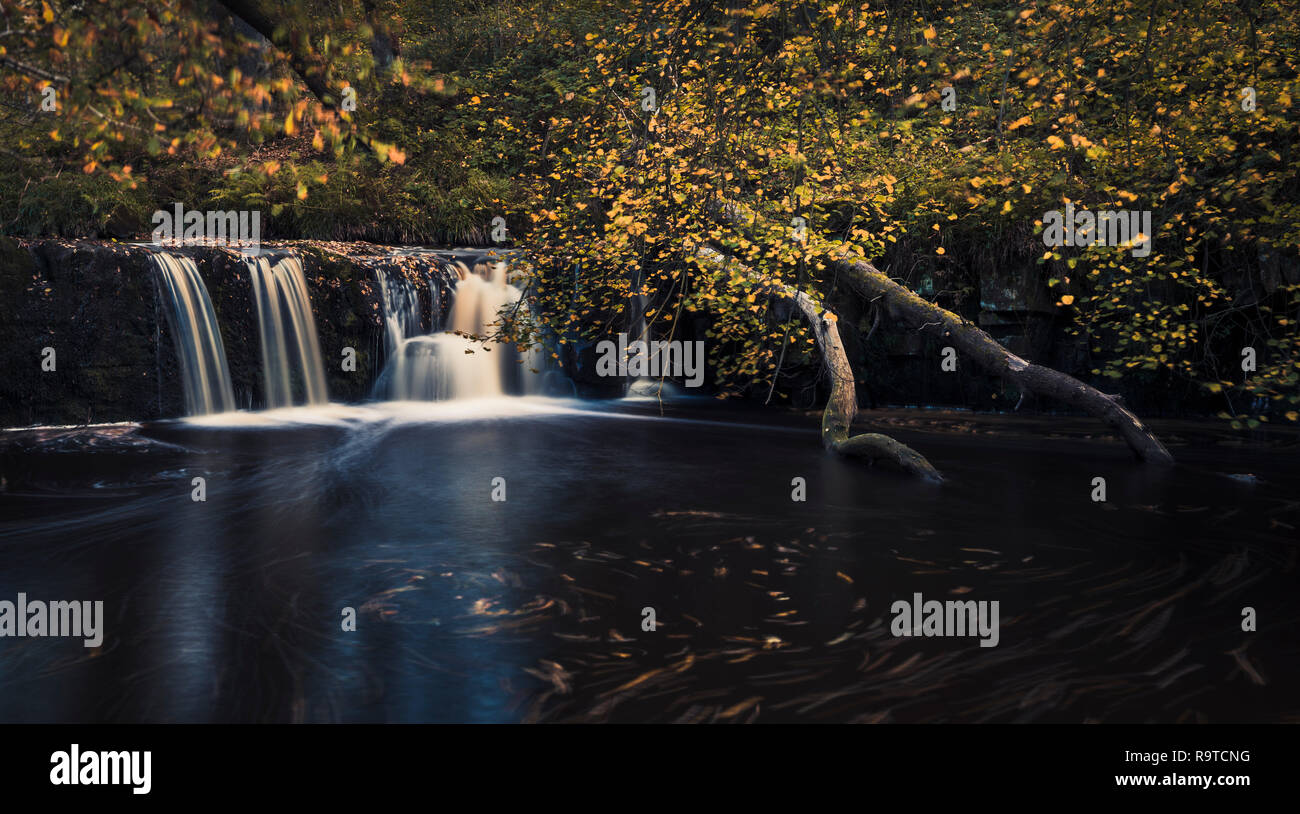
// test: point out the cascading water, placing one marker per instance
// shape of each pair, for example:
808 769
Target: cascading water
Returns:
405 375
288 332
202 355
638 330
459 364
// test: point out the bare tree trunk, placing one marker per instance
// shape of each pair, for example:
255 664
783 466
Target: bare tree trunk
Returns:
842 406
909 309
915 312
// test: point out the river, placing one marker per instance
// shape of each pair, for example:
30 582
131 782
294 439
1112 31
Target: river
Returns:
533 607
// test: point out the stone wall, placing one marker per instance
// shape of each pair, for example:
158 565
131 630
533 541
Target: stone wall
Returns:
97 304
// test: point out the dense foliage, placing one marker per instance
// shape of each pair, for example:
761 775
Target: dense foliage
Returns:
934 135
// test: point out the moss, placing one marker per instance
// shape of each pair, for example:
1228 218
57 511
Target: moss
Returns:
322 262
73 205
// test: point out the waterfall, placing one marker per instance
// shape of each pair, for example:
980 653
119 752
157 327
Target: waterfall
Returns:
198 337
401 304
459 364
288 332
638 329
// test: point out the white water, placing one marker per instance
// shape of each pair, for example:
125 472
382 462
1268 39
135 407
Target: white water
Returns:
395 413
204 371
401 305
461 363
642 387
288 332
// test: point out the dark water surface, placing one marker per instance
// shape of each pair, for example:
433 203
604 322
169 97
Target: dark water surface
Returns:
531 608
